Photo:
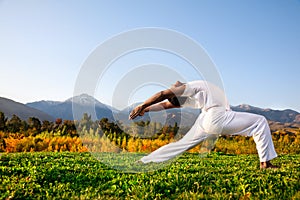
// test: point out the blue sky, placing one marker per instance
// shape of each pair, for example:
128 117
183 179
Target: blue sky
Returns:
254 44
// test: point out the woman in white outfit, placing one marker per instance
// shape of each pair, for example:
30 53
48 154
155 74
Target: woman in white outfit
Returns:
215 119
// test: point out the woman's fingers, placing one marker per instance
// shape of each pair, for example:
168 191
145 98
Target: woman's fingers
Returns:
135 112
132 115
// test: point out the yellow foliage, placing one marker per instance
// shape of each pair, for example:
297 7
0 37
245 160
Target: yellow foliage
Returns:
285 141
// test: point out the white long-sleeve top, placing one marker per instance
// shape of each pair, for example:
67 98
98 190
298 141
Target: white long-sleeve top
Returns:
204 95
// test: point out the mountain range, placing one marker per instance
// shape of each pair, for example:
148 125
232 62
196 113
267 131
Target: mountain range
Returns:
73 108
283 116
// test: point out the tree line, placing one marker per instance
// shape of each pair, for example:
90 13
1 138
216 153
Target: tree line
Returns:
34 126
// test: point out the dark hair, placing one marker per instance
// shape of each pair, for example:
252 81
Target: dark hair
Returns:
177 101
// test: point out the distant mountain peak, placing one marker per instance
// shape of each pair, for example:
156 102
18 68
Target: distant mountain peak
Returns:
84 99
245 106
75 106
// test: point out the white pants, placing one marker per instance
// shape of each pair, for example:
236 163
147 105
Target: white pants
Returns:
214 123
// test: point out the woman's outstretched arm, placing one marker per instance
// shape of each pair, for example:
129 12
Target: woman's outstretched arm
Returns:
157 98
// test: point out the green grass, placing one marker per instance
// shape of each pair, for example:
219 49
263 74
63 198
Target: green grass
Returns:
81 176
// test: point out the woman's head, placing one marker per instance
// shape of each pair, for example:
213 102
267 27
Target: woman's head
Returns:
177 84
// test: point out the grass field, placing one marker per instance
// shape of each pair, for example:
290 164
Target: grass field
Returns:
81 176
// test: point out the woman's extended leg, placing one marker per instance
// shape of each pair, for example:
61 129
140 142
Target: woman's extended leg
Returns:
193 137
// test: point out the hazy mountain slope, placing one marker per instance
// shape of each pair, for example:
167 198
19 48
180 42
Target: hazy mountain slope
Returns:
10 107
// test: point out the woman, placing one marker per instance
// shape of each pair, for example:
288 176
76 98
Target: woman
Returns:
216 118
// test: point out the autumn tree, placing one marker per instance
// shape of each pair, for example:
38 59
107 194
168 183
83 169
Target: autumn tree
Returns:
14 124
69 128
34 123
3 121
46 126
86 121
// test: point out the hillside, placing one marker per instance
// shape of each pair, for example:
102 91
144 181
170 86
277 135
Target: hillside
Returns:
10 107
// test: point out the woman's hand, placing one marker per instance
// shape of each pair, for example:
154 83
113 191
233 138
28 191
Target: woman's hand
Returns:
137 111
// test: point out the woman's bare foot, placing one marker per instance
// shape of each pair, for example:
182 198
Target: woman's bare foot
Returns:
268 165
